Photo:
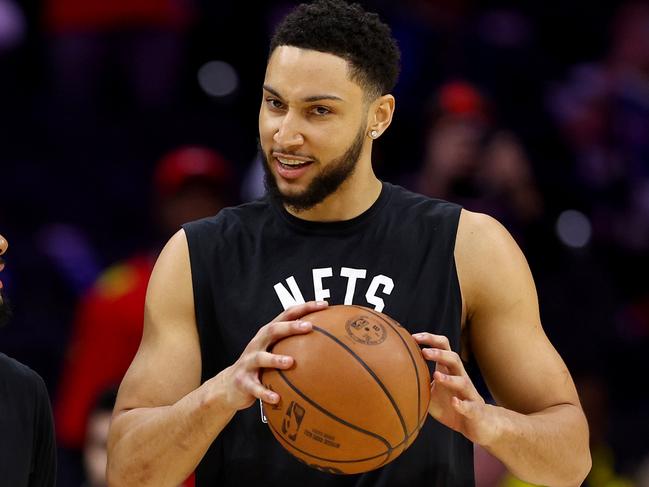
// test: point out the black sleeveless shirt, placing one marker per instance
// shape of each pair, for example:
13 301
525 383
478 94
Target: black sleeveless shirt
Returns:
250 262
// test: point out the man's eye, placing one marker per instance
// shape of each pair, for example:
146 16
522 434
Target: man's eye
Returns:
274 103
321 111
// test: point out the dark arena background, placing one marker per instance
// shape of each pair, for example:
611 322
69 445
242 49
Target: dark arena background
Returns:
121 119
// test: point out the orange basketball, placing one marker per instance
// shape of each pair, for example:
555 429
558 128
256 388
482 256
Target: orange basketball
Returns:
356 395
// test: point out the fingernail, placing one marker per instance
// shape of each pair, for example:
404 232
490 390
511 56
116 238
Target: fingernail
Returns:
321 303
305 325
284 360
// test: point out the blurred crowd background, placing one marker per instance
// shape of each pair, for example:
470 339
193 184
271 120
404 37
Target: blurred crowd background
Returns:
121 119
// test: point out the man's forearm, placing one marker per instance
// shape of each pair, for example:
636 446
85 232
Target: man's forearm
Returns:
161 446
545 448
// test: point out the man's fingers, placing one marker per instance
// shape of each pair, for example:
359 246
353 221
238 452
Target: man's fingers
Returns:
281 329
287 323
267 360
431 340
277 330
457 383
466 408
448 359
298 311
256 389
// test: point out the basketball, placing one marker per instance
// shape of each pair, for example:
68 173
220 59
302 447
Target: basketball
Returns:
356 395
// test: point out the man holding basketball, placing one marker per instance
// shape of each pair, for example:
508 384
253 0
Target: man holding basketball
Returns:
329 230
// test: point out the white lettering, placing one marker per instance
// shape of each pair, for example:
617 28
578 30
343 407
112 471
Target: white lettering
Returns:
352 275
320 293
370 295
292 298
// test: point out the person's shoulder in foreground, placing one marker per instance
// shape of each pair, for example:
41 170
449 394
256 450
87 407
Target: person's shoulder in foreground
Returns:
27 444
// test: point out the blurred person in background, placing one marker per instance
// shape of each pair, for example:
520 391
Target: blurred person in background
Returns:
94 446
190 182
602 110
468 159
27 444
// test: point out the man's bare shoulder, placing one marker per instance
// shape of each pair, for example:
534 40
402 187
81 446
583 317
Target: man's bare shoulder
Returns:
170 287
491 267
480 232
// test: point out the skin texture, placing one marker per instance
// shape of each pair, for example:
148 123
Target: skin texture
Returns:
165 420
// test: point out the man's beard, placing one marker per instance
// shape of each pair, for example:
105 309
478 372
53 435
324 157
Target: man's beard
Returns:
324 184
5 310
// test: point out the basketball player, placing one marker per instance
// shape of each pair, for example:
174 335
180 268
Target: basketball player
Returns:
27 446
226 288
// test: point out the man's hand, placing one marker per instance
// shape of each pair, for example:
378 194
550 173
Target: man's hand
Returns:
242 378
454 400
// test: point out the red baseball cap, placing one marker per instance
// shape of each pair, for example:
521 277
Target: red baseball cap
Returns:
191 163
462 99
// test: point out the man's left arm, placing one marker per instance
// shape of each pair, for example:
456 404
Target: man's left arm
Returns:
538 429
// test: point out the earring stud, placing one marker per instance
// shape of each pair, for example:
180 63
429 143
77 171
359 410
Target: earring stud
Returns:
374 134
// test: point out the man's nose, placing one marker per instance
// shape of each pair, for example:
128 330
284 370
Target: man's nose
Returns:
289 134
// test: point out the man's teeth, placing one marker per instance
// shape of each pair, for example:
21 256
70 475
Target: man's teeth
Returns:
291 162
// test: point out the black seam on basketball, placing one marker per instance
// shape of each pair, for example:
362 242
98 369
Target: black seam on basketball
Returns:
387 452
412 359
331 415
371 372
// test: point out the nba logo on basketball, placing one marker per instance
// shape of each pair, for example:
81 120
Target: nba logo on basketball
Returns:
292 420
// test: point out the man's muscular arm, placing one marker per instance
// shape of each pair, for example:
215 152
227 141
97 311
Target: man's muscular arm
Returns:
164 419
538 429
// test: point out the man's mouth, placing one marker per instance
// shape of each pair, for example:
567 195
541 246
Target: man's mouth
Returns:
292 162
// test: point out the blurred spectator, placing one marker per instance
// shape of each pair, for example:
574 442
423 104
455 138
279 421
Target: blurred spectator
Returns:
190 183
469 160
603 112
95 445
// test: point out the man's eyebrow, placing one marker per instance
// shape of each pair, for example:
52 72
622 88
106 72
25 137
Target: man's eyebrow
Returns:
308 99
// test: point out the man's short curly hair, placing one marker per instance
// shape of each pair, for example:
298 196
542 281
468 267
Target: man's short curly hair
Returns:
347 31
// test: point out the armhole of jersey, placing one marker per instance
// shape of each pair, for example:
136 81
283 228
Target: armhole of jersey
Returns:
194 252
464 343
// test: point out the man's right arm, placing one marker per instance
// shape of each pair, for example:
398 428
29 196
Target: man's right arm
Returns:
164 419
